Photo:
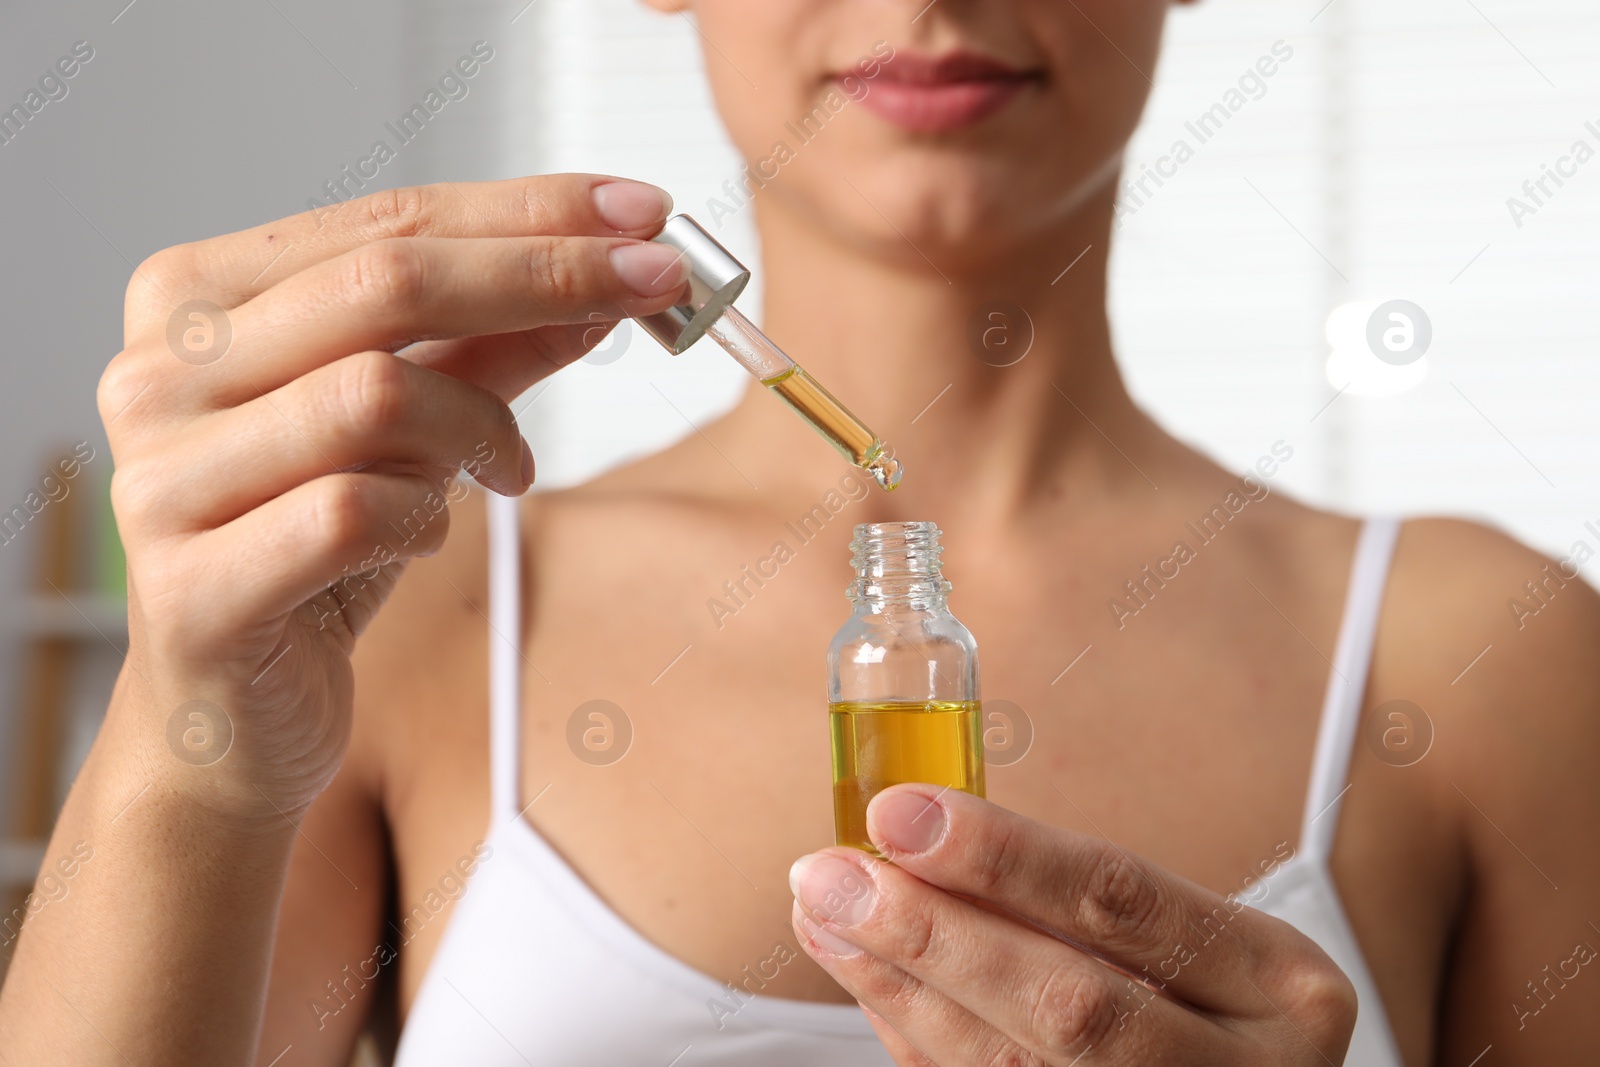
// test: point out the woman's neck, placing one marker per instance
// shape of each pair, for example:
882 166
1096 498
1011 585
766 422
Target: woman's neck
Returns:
894 341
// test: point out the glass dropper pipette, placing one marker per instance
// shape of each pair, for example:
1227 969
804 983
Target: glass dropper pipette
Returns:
758 355
715 280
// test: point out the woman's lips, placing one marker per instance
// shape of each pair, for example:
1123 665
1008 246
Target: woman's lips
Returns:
936 95
939 108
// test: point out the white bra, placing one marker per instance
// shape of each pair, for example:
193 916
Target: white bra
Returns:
535 969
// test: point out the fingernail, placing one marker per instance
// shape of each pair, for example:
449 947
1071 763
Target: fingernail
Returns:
650 269
905 821
794 874
527 463
631 205
832 944
832 889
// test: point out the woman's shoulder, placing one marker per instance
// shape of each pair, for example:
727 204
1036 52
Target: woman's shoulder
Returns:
432 607
424 658
1498 647
1495 643
431 637
1460 590
1494 650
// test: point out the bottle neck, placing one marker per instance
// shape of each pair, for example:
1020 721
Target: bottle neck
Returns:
897 568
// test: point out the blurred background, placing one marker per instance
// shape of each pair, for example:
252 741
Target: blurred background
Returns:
1383 253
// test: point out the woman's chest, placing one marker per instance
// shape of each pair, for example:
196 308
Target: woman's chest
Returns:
681 772
674 751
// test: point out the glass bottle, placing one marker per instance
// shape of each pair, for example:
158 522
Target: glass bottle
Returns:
902 678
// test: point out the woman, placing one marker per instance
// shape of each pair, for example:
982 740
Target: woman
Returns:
271 864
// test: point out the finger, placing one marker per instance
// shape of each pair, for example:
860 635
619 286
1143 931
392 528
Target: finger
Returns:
904 1053
338 528
1089 891
233 268
373 407
134 401
827 949
925 952
502 363
350 604
391 293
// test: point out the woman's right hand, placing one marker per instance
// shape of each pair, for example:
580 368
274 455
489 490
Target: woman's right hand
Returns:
277 462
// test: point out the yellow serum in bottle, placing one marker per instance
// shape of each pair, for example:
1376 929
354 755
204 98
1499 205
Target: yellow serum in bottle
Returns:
903 702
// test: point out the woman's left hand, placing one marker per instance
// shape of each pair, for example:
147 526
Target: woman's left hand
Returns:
991 938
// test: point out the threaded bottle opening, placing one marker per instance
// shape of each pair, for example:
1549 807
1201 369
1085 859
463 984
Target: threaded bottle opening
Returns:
898 561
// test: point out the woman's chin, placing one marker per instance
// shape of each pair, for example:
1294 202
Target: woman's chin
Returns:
952 217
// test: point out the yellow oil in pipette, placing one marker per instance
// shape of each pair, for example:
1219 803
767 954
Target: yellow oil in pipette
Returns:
806 396
834 422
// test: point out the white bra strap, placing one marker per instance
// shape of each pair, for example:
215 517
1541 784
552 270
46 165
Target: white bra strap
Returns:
505 643
1347 685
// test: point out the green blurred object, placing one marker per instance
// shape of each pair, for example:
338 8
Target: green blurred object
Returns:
111 563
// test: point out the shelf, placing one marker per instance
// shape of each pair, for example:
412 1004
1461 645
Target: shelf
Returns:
85 616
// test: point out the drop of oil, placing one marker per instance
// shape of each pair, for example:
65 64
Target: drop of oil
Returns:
886 470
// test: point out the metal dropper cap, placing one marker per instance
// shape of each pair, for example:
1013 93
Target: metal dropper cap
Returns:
715 281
